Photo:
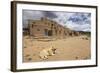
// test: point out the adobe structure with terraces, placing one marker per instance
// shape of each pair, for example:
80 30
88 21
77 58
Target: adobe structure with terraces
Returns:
46 27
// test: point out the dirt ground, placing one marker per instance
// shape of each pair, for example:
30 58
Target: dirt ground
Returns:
70 48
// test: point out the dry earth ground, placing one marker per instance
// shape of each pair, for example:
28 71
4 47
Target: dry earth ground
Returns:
71 48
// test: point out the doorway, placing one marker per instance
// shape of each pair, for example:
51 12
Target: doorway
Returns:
50 33
47 32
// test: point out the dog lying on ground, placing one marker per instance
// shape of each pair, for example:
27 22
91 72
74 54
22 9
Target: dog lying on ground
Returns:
47 52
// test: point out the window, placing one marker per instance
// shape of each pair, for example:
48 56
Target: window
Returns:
46 32
38 29
52 25
32 25
59 32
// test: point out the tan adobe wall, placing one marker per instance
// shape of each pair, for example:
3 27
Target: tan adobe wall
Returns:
46 27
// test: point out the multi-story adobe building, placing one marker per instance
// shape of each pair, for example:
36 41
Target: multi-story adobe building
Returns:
47 27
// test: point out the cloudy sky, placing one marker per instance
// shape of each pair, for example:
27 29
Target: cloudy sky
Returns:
73 20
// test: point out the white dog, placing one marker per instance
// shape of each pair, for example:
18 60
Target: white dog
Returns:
47 52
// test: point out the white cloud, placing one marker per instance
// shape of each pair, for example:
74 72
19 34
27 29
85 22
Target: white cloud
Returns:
77 27
82 25
62 18
29 14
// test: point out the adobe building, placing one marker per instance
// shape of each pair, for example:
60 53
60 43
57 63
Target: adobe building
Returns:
47 27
